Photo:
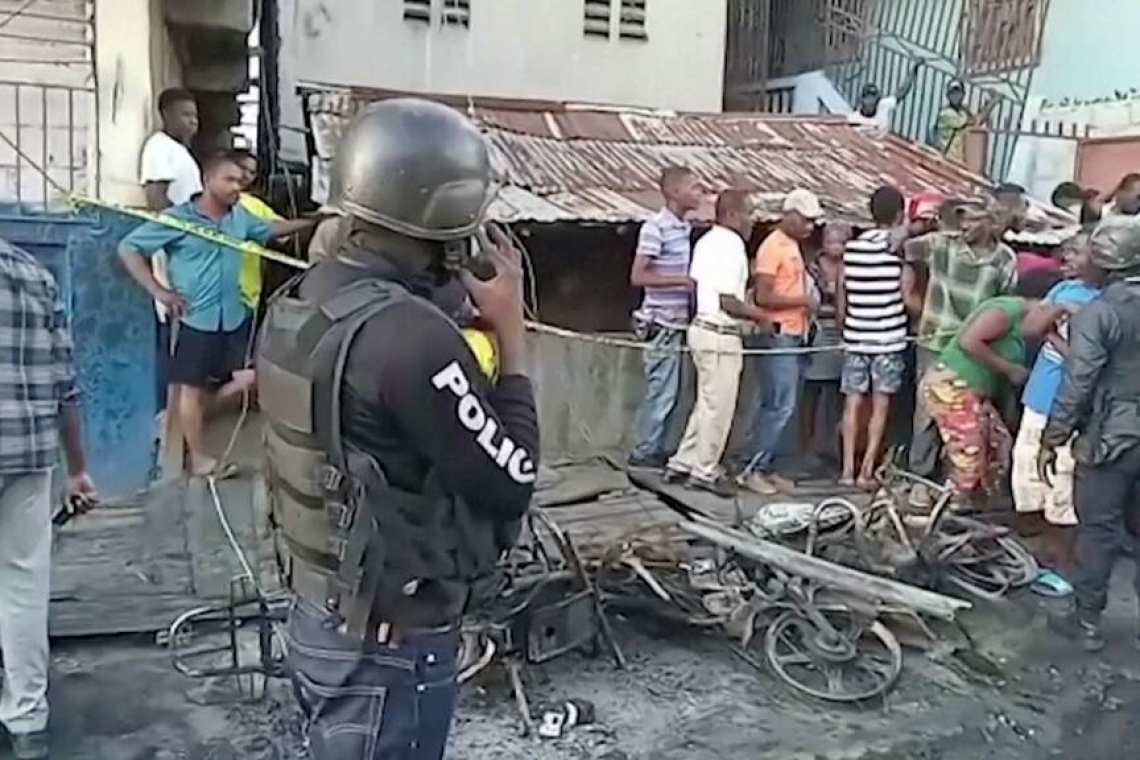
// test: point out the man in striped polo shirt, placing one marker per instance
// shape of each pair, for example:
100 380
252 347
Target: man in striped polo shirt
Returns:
874 321
661 268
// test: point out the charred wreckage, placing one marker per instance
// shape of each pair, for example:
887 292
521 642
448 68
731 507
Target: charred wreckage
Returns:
817 595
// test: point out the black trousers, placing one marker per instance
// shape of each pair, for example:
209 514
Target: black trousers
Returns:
1107 507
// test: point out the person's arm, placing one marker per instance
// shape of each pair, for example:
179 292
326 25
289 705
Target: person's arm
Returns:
916 255
288 227
1010 276
983 117
156 195
157 171
482 441
734 307
80 491
908 83
976 339
841 296
143 242
763 295
642 274
1093 335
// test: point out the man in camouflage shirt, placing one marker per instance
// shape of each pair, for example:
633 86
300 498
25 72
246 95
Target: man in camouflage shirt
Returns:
960 269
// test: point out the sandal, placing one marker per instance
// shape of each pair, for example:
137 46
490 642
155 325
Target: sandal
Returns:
219 471
1050 584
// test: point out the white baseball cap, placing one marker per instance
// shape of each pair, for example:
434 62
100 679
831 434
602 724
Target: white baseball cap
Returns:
804 203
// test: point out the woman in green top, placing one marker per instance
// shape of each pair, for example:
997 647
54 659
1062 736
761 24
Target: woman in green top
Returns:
958 391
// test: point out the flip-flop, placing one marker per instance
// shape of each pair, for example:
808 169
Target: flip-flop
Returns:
1050 584
220 471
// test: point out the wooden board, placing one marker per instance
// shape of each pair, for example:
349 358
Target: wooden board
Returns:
136 565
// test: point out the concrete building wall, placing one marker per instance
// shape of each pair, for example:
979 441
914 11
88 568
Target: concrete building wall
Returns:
1084 71
1040 163
512 48
1084 51
134 62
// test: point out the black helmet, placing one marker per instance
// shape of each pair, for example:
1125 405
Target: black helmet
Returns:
1115 244
415 167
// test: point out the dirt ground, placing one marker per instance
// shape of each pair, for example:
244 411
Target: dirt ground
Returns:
1023 693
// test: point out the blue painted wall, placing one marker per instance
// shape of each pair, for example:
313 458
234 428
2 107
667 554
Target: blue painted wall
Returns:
113 330
1086 49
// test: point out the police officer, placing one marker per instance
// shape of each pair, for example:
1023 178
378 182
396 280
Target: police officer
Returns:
398 474
1099 400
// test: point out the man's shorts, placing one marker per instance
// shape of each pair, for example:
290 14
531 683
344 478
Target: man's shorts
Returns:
873 373
203 359
1030 493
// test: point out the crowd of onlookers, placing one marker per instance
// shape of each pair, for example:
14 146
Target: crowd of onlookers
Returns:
927 316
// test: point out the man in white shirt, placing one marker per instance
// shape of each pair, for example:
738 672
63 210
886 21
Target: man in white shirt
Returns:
874 111
720 270
169 176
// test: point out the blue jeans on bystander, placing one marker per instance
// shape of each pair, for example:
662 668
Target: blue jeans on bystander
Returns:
662 386
774 408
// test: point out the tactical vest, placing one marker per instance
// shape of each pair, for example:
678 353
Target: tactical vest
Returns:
336 516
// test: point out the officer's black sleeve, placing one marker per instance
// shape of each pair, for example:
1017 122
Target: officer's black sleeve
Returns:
482 440
1094 333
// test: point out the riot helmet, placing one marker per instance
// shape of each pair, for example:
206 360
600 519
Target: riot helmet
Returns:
417 168
1115 245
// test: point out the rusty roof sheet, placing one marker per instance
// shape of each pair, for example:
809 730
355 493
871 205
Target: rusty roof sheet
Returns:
563 162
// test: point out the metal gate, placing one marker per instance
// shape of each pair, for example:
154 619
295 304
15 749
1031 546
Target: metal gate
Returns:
48 121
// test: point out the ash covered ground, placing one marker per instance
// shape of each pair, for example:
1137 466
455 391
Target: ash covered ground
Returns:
1021 693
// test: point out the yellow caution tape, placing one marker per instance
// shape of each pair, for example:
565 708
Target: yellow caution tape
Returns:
484 349
244 246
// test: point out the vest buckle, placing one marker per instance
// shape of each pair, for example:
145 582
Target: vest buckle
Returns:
332 479
340 515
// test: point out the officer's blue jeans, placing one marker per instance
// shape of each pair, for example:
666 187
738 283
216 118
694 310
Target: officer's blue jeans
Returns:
662 386
778 387
371 701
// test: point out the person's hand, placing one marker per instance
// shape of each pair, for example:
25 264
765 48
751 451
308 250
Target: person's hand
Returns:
1047 464
499 299
1018 375
173 302
79 495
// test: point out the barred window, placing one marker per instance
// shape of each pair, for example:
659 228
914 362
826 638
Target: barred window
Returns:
597 18
417 10
457 12
632 22
1001 35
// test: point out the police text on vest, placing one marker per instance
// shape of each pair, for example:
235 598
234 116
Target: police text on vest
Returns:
505 453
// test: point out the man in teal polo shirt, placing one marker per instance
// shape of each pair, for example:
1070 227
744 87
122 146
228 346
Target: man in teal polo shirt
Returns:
215 325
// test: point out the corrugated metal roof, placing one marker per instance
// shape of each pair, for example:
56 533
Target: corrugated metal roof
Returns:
567 162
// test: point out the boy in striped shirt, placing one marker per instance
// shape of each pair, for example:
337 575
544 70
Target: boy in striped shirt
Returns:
874 320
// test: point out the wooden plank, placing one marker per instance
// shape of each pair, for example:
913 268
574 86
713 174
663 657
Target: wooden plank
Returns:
213 561
119 614
120 550
173 456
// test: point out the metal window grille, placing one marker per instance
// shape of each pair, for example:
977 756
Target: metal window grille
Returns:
457 13
596 22
632 21
418 11
844 24
1001 35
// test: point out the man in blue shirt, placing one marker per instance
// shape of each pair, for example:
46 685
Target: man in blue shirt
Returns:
213 335
1031 494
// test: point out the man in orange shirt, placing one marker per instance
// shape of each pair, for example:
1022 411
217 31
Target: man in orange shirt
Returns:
780 290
